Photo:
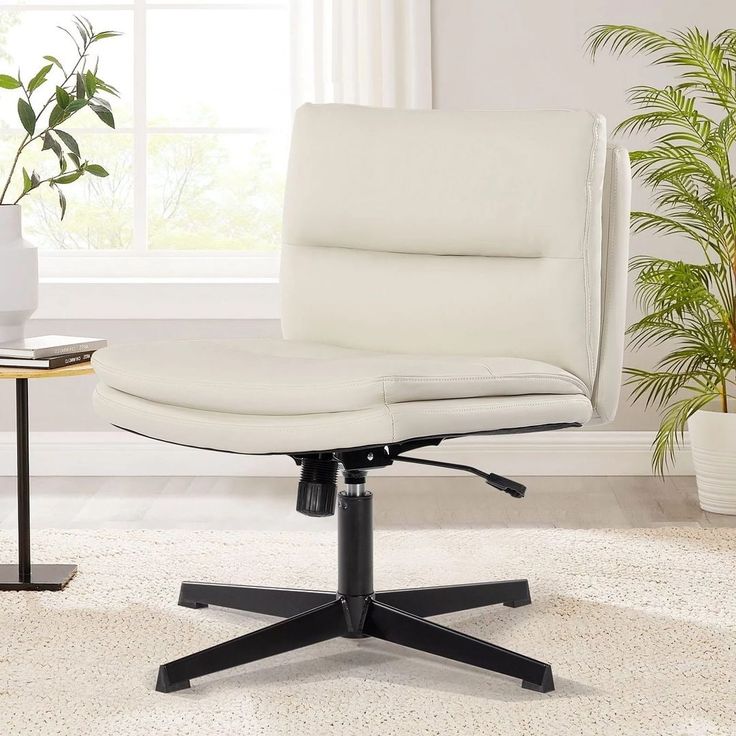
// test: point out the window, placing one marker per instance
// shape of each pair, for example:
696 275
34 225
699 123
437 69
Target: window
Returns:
197 161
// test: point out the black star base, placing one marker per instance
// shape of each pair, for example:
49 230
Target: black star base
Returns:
397 616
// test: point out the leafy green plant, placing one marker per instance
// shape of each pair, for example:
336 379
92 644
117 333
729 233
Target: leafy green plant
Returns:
80 87
688 306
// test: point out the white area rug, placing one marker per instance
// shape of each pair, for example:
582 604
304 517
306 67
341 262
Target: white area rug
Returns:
638 624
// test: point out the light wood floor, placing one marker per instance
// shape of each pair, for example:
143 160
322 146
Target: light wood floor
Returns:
422 502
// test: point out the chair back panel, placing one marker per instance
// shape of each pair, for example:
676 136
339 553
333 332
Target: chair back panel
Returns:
446 232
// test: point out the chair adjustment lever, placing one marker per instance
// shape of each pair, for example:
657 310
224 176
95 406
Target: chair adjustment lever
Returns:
512 487
506 485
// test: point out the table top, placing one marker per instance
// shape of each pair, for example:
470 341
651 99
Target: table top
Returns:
78 369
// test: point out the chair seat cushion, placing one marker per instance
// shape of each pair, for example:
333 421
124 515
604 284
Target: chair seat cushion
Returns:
273 396
281 377
255 434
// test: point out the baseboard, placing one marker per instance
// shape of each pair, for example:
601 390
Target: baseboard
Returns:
552 453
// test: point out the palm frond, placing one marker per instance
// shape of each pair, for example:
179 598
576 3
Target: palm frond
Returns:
672 427
656 388
675 287
707 68
690 362
668 106
663 225
726 39
687 308
622 39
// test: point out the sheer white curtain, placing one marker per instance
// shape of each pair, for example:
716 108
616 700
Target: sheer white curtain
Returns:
367 52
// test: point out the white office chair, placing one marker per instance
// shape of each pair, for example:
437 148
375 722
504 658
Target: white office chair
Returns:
443 274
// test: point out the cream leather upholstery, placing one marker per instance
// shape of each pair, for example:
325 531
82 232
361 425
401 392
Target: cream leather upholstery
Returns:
262 376
268 434
479 227
614 271
442 273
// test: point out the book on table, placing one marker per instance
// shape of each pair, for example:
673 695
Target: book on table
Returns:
50 346
58 361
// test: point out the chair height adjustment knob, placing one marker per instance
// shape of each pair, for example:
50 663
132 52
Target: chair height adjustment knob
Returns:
317 490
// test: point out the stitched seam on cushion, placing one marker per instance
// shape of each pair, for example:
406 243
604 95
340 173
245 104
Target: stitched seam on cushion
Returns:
487 367
432 255
495 377
358 382
388 410
585 244
355 382
191 420
466 410
609 240
482 409
393 421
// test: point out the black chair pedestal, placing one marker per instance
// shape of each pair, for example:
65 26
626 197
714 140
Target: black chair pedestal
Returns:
397 616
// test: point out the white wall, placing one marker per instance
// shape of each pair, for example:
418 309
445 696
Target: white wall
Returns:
500 54
491 54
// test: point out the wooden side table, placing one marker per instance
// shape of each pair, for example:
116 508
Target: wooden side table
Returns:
24 575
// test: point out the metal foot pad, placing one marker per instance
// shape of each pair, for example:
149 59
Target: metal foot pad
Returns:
164 685
519 603
546 686
192 604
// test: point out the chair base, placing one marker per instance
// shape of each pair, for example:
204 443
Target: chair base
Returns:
397 616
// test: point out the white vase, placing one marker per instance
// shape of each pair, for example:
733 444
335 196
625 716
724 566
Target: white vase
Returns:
18 275
713 444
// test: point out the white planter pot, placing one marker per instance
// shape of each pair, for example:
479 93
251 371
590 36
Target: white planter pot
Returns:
713 443
18 275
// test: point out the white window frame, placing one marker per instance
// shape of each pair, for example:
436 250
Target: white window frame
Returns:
62 271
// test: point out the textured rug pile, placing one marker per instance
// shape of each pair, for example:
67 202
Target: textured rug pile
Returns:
640 626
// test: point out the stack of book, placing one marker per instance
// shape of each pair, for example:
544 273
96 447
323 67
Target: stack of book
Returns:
48 351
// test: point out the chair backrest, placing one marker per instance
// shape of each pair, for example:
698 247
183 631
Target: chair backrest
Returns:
475 233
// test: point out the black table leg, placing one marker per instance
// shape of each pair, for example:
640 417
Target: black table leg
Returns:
24 480
24 575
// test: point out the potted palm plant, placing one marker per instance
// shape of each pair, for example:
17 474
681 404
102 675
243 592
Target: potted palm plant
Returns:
689 306
46 102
